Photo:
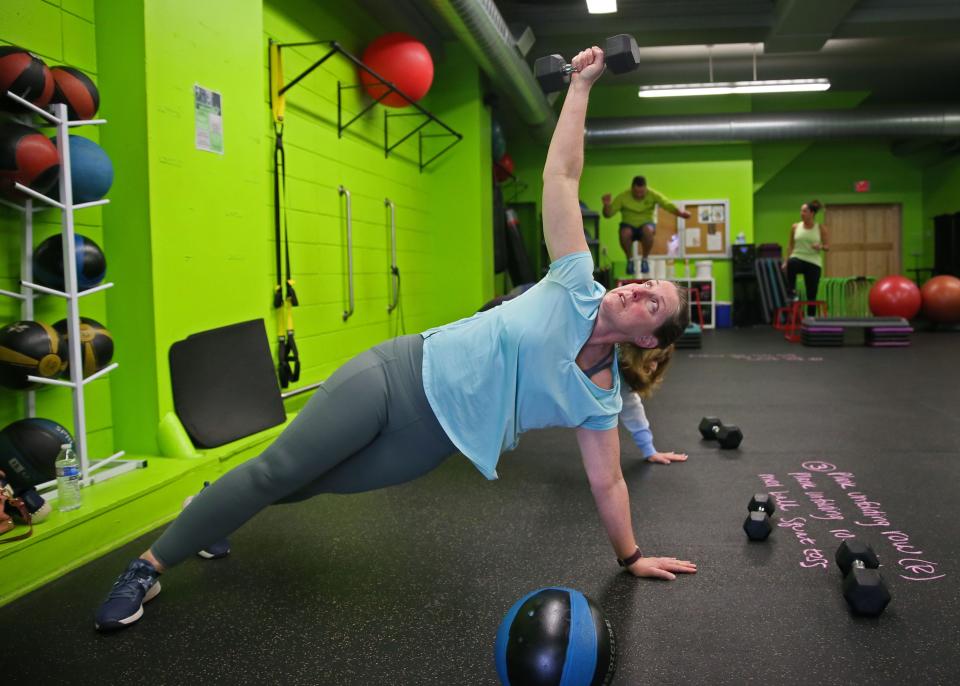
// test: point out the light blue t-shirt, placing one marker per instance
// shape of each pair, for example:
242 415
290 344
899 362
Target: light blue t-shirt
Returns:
494 375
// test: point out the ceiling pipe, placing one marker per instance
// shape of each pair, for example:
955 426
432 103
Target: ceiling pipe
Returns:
481 28
775 126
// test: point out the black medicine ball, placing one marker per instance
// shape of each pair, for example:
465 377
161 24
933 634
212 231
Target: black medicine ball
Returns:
555 636
27 157
96 346
48 263
29 449
75 90
24 74
28 348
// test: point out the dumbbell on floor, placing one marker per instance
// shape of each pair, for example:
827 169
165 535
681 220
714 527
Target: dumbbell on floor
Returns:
757 524
729 436
620 54
863 587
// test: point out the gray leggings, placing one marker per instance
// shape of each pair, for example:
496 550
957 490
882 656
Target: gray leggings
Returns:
368 426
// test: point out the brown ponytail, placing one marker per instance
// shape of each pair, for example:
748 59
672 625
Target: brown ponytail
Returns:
643 368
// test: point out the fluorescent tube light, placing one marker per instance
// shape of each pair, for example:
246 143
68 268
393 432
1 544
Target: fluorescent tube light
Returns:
728 87
601 6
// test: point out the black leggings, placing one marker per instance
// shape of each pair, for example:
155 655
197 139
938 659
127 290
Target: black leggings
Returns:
811 280
368 426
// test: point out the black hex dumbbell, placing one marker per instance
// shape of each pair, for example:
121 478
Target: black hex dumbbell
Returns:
863 587
620 54
729 435
757 524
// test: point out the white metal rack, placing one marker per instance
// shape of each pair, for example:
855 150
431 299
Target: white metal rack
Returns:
29 291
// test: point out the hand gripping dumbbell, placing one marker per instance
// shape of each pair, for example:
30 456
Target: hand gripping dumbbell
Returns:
619 53
757 524
728 435
863 587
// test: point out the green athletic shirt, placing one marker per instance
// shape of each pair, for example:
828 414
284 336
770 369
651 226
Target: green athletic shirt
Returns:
803 240
640 212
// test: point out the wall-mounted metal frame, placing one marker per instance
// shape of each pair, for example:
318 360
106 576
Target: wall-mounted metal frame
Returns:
343 191
394 269
388 147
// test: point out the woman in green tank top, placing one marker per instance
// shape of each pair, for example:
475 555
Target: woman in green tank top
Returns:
808 241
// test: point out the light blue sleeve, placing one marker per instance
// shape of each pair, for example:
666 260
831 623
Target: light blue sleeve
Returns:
601 422
574 271
634 418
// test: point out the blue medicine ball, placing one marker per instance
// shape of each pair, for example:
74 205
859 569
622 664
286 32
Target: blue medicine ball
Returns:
555 636
48 263
90 169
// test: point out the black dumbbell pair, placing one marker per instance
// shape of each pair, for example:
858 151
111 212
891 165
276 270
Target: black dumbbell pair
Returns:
620 54
729 436
863 587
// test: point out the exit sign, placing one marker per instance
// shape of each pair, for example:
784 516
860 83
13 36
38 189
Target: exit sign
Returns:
862 186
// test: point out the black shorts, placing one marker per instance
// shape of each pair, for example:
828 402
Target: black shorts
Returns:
636 232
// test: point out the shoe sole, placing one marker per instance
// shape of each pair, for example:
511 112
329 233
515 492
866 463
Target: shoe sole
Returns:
132 619
207 556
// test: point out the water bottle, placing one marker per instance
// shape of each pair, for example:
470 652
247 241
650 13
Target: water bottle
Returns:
68 479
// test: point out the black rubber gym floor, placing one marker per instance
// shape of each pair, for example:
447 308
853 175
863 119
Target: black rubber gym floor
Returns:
409 584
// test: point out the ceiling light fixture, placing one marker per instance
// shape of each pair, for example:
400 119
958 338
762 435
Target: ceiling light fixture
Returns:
734 87
601 6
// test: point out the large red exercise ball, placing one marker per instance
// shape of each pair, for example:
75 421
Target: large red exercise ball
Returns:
77 91
503 168
403 61
27 157
895 296
555 636
498 140
91 171
29 449
48 263
941 299
28 349
96 346
24 74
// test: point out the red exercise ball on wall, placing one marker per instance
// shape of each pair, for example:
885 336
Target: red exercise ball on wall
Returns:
403 61
503 168
895 296
941 299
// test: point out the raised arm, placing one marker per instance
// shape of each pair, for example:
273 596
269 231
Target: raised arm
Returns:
562 221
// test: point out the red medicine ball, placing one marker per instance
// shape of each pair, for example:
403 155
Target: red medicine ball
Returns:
27 157
403 61
75 90
24 74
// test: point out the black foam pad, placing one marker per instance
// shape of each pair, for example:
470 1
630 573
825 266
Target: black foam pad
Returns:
224 384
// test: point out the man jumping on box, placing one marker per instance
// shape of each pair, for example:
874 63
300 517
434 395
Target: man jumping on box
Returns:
637 221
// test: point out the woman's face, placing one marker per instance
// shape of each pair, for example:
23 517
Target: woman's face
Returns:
639 309
805 213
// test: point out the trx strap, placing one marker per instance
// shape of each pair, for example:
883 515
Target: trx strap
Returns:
288 357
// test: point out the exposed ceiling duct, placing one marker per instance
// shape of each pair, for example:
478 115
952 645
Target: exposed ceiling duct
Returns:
480 27
775 126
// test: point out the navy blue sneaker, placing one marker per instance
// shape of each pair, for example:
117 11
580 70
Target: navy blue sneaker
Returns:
644 267
217 549
138 584
629 267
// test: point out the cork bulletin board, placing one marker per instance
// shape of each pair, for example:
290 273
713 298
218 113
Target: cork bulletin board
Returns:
705 234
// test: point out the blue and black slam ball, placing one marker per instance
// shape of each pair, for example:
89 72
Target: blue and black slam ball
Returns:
48 263
91 171
28 349
77 91
28 451
96 346
27 157
555 636
25 75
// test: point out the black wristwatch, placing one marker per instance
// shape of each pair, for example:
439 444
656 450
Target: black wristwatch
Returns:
630 560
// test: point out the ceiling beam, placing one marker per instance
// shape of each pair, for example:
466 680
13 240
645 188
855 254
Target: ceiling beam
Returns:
805 25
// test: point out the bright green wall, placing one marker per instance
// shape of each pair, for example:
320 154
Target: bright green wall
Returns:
827 171
59 32
941 195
